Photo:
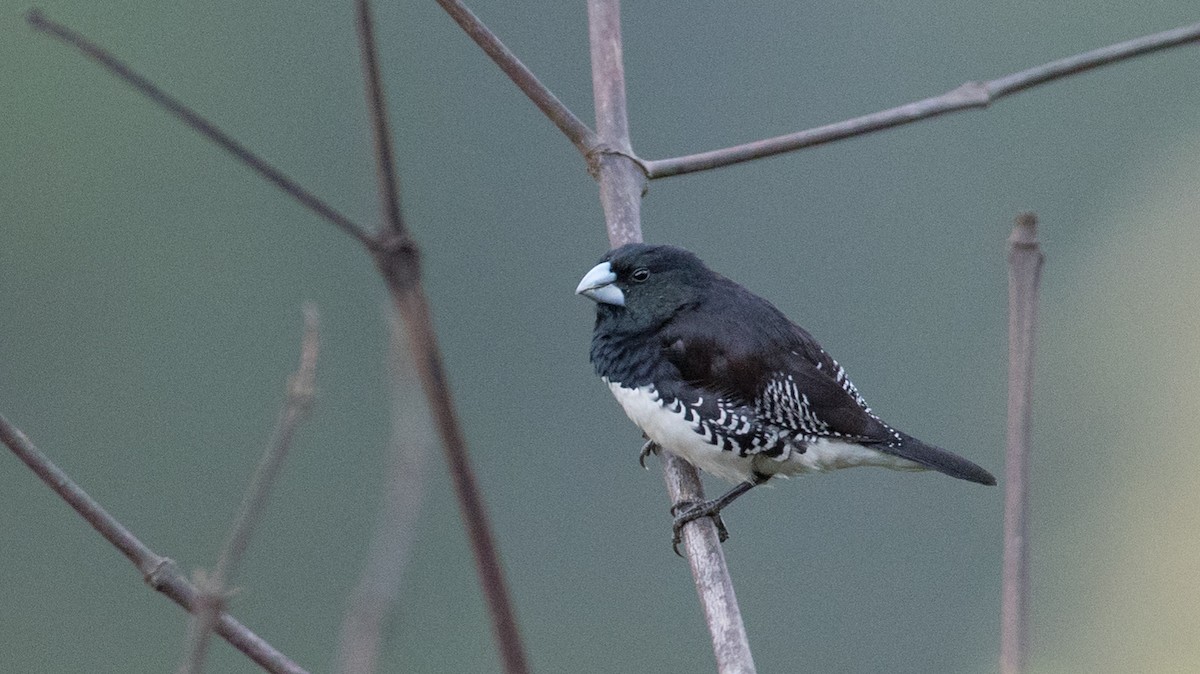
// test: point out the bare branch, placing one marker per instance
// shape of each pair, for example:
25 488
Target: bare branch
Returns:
397 258
159 572
622 182
193 119
1024 274
731 645
385 165
966 97
621 186
301 390
399 263
379 582
576 131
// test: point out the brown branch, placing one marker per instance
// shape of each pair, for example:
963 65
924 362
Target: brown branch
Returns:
397 258
385 173
399 262
159 572
301 391
379 582
1024 273
969 96
621 186
193 119
576 131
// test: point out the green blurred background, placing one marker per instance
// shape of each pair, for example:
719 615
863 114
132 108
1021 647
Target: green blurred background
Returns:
150 290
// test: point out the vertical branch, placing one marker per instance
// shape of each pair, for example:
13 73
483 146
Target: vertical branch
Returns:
379 583
1024 273
398 260
211 600
385 174
622 184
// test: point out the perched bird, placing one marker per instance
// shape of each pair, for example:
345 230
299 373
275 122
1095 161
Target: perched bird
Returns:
718 376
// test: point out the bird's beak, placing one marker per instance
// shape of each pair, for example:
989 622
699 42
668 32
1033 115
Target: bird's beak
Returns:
597 285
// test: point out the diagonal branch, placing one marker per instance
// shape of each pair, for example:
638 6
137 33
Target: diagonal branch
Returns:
621 182
398 260
1024 273
399 263
969 96
576 131
301 390
193 119
159 572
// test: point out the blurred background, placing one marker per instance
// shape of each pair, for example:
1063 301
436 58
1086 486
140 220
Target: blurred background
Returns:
150 293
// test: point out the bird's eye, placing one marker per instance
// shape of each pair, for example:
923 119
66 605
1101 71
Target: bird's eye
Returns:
641 274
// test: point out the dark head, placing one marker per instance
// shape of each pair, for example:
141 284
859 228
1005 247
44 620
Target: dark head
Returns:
639 287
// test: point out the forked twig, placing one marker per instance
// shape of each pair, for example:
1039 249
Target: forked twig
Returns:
621 183
159 572
966 97
398 260
1024 275
301 390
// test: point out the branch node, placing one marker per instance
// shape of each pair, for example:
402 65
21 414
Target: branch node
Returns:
971 94
1024 234
398 258
596 153
157 572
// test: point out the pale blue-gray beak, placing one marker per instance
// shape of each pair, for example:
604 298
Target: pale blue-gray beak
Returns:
597 285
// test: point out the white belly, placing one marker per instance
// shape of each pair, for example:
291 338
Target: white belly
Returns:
676 434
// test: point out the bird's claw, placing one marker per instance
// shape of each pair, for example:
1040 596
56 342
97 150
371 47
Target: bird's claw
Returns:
647 449
688 511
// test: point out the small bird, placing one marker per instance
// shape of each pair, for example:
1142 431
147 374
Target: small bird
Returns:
717 375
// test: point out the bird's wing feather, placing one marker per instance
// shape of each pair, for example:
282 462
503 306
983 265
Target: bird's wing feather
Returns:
742 349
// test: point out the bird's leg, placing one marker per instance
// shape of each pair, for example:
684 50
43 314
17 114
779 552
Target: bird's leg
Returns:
691 510
647 449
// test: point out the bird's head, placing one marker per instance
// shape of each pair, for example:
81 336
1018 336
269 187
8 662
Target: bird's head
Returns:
643 286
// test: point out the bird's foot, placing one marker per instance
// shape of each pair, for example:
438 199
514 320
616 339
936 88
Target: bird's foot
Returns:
687 511
647 449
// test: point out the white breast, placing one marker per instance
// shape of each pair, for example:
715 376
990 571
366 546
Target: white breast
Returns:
674 433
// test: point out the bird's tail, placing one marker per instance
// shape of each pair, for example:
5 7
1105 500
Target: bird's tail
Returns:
940 460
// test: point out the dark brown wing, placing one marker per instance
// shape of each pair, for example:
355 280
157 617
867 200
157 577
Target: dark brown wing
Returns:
750 353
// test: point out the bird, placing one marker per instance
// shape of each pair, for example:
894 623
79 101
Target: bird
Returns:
718 376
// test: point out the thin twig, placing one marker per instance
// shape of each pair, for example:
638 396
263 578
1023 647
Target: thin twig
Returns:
40 22
575 130
1024 273
969 96
158 572
397 258
621 184
389 184
399 263
301 390
379 583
